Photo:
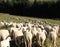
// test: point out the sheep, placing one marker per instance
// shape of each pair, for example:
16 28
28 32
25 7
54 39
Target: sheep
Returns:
56 27
19 25
18 36
30 25
28 38
7 24
48 28
53 36
12 30
24 28
34 31
14 24
2 24
3 34
5 43
41 26
41 37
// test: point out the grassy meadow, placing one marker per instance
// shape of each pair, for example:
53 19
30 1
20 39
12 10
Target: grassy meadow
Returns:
9 18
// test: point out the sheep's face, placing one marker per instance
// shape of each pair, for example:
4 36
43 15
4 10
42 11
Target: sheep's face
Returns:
24 29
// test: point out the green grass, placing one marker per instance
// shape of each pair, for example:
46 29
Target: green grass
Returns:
13 18
9 18
53 21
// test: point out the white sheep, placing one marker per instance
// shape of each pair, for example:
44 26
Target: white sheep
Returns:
53 36
5 43
41 37
14 24
28 38
2 24
19 25
18 36
3 34
12 30
34 31
56 27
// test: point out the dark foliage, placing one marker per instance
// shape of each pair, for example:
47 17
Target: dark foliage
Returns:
45 10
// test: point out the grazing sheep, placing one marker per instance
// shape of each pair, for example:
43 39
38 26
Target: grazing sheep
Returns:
3 34
28 38
5 43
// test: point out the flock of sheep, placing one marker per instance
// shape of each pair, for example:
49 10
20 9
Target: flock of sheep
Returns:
27 33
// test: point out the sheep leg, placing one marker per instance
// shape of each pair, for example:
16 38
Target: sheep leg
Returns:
38 40
16 42
19 40
39 43
0 38
42 43
30 44
54 44
9 46
25 43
